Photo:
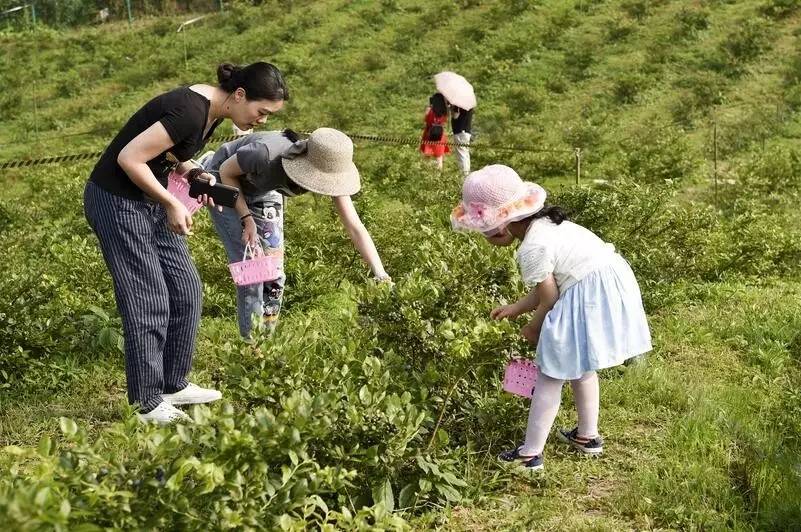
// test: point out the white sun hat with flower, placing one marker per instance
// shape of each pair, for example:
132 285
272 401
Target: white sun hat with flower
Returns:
494 196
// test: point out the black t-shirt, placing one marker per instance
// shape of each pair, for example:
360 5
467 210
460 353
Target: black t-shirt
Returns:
462 123
263 175
183 113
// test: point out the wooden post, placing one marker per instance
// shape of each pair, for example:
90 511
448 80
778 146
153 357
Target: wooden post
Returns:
35 110
186 56
715 158
578 165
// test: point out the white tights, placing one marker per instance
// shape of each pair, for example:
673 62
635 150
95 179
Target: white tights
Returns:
545 405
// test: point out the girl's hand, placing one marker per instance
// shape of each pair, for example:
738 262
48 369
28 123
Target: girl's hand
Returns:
531 333
178 218
250 234
500 239
505 311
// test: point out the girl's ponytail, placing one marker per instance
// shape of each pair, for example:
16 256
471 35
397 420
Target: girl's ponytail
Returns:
554 213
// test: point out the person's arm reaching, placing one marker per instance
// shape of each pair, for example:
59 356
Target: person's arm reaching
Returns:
229 175
359 235
548 293
525 304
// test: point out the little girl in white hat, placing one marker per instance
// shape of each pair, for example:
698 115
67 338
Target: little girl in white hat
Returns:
588 312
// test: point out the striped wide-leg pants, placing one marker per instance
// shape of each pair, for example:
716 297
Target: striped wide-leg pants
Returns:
157 288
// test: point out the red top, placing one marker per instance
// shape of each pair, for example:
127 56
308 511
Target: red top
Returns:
439 148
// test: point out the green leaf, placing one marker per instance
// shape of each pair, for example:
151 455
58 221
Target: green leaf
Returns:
183 433
175 481
383 494
68 426
442 437
99 312
451 494
364 395
453 480
65 509
15 450
45 445
406 496
41 496
269 488
285 522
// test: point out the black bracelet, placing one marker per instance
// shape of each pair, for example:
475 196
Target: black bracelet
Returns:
242 218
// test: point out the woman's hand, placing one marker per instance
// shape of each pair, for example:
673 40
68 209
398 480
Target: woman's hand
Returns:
505 311
531 333
198 173
250 234
384 279
178 218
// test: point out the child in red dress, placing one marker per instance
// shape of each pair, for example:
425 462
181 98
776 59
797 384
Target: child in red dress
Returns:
434 139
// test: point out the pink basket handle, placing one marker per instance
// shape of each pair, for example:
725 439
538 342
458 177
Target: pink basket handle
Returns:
255 251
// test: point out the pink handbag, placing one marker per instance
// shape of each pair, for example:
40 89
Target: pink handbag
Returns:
259 268
520 377
179 187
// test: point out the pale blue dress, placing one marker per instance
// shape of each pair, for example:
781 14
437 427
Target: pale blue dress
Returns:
599 320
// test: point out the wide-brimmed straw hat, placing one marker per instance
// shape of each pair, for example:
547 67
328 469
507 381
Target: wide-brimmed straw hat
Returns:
326 167
494 196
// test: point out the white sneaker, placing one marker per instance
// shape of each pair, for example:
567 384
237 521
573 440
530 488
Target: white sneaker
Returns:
191 395
164 414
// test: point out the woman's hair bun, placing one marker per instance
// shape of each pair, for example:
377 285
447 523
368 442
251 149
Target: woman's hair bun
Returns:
226 73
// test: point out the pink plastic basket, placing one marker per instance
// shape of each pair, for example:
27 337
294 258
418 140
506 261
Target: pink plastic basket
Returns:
178 187
520 377
259 268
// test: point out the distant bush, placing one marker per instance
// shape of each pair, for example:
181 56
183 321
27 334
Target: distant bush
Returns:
582 134
654 153
744 44
697 95
628 86
618 29
578 59
637 9
523 99
748 129
556 84
778 9
792 69
771 177
690 21
669 243
557 23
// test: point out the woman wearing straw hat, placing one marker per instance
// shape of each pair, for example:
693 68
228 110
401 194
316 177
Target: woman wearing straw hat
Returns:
267 167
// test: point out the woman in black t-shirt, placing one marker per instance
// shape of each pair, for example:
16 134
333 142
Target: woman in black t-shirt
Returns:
141 227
